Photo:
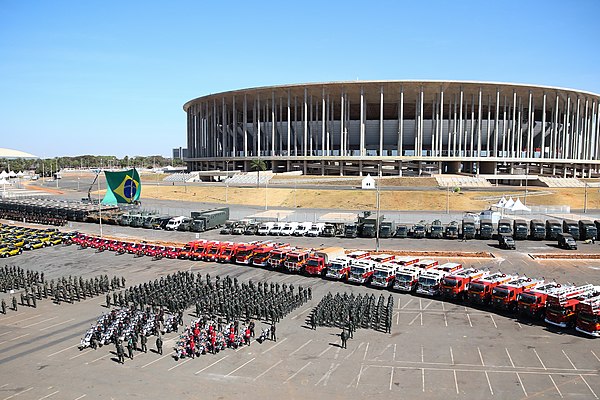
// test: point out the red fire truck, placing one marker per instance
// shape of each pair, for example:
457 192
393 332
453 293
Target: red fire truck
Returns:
261 255
480 290
407 278
189 248
245 253
278 257
319 260
229 252
504 297
588 317
295 260
384 275
339 268
361 271
455 286
561 309
212 252
532 303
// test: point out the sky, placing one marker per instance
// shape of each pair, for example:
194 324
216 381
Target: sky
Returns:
111 77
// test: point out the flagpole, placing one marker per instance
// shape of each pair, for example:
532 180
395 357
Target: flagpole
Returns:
99 206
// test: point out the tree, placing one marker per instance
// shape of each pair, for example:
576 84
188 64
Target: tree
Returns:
258 165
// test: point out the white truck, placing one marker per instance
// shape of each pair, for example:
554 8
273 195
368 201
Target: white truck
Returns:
288 229
407 278
430 282
316 229
276 229
339 268
361 271
265 228
384 275
302 228
174 223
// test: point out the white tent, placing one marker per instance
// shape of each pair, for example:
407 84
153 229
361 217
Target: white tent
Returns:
3 174
518 206
11 174
500 203
368 182
508 205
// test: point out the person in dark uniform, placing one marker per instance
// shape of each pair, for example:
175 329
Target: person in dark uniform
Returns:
273 332
159 344
3 305
14 303
130 348
344 338
143 341
313 322
34 301
120 353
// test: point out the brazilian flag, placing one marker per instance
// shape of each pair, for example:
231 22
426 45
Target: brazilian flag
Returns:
122 187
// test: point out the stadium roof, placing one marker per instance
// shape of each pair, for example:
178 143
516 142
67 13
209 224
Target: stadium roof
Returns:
12 154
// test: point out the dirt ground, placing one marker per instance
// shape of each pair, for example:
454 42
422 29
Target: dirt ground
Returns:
437 199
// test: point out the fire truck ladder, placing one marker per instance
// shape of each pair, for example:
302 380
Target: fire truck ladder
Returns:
594 303
572 292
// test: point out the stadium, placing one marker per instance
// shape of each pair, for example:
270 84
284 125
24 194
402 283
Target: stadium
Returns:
411 128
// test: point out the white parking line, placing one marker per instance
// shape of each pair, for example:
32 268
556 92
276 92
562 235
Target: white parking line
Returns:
354 350
382 352
574 367
40 322
480 357
81 354
394 355
423 378
511 361
327 374
26 319
445 320
208 366
589 387
422 356
241 366
521 382
301 347
494 321
97 359
595 355
268 369
275 345
81 397
538 357
60 323
15 338
554 383
456 382
489 383
48 395
297 372
391 378
16 394
153 361
60 351
366 349
407 303
326 350
397 318
451 355
469 318
428 304
359 375
415 318
6 333
179 364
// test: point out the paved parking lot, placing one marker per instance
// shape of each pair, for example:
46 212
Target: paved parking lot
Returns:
436 350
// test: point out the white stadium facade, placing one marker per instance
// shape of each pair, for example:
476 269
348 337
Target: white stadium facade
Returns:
398 128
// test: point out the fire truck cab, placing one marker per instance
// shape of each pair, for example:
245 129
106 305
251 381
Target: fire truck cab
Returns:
532 303
361 271
212 254
339 268
588 317
480 290
455 286
504 297
561 308
384 275
278 257
407 278
295 260
429 282
261 256
245 253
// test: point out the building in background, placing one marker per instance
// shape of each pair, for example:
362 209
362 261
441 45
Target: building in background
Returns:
179 153
402 127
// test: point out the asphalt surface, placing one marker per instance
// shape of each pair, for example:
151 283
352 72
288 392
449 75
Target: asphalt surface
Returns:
437 349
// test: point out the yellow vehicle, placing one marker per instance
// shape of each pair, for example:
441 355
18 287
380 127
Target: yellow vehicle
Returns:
10 251
54 240
34 244
18 242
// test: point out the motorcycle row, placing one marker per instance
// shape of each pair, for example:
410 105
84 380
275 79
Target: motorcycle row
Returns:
219 303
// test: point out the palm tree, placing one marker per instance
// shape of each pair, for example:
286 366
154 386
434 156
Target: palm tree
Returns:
258 165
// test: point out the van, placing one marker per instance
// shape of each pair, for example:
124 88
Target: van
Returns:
302 229
315 230
185 225
288 229
265 228
276 229
174 223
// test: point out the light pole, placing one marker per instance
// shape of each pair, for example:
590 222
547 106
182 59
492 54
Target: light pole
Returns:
377 216
266 189
227 182
526 182
447 199
295 186
585 197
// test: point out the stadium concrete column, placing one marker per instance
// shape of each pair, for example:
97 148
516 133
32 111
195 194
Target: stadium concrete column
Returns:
305 120
460 123
323 122
479 128
272 123
530 122
234 128
488 126
441 143
362 124
381 121
225 144
496 123
472 129
421 130
543 146
289 124
245 124
577 134
401 124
